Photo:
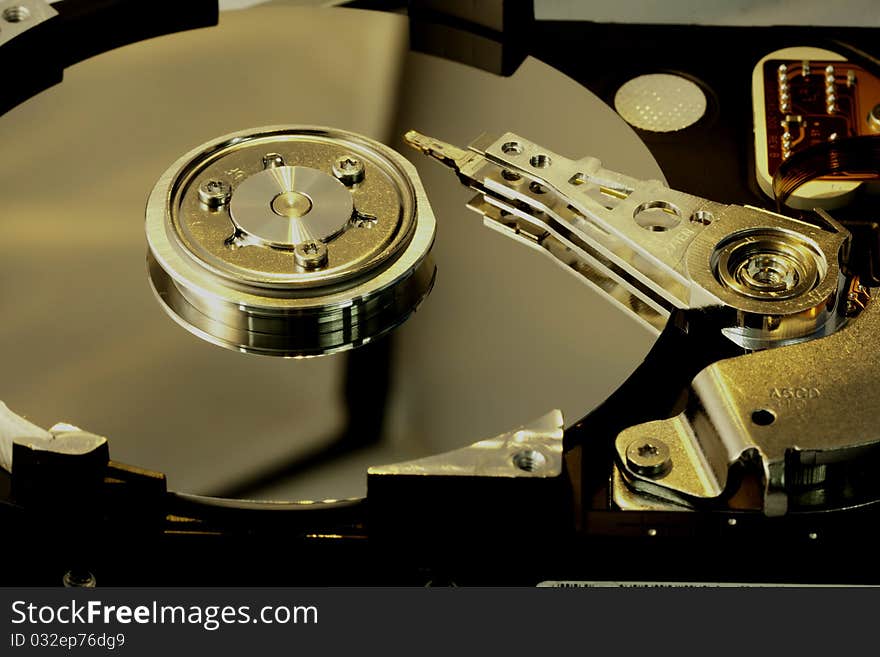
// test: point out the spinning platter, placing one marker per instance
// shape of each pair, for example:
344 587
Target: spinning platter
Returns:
88 343
502 338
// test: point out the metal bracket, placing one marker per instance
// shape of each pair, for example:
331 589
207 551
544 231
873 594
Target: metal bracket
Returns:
19 16
432 501
533 450
802 418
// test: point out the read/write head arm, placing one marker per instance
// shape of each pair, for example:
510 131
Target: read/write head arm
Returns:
766 422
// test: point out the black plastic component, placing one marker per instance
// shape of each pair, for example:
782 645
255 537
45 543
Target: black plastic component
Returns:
714 157
58 481
36 59
491 36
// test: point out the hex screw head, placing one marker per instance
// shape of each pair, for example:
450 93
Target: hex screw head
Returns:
649 457
78 579
215 193
348 169
310 255
272 160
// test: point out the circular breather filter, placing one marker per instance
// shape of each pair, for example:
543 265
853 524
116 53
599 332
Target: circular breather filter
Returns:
660 102
290 241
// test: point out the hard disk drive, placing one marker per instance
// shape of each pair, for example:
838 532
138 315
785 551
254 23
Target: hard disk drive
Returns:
435 292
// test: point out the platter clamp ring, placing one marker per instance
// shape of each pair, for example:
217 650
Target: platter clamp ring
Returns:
290 241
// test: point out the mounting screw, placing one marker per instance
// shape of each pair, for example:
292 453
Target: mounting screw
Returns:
80 579
215 193
529 460
349 169
648 457
310 255
272 160
16 14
